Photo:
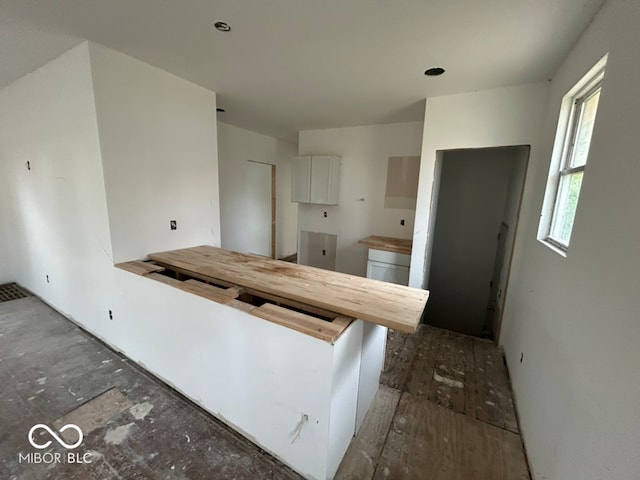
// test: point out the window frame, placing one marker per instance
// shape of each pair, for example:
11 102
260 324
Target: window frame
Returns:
564 149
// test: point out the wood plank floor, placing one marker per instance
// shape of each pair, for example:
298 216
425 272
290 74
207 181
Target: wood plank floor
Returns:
456 371
444 411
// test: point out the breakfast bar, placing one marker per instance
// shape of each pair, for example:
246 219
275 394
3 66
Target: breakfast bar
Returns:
288 355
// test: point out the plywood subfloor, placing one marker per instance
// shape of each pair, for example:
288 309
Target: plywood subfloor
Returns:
444 411
427 441
359 462
456 371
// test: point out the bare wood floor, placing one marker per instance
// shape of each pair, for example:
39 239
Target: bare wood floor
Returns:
444 411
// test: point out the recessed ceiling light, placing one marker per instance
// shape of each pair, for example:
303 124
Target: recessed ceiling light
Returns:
434 72
222 26
221 110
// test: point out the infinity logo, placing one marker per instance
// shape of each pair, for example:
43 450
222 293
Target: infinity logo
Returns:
53 434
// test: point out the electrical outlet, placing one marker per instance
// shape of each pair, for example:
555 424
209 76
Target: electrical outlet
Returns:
325 215
173 224
402 222
110 315
47 278
521 357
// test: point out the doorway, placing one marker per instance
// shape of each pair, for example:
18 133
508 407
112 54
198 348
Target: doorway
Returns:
261 209
476 206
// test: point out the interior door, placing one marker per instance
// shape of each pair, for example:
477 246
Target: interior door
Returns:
260 209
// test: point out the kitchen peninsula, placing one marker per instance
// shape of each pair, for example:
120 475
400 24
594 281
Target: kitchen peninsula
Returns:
294 353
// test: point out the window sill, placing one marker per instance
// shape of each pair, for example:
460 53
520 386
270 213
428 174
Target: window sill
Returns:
553 247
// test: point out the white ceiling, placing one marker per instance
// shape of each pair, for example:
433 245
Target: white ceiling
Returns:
290 65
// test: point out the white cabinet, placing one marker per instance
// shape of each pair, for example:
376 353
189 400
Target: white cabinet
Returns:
301 179
388 272
325 180
316 179
388 266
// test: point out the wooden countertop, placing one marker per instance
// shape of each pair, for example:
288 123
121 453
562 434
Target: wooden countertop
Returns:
389 244
383 303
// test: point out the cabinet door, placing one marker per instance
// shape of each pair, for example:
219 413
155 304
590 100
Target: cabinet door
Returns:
301 179
388 272
323 180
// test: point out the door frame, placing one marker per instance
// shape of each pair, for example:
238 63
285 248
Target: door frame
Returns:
273 205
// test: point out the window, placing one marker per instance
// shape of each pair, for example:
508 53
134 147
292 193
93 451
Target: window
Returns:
571 151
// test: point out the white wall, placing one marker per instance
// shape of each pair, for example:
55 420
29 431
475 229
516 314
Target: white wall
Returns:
8 254
576 319
473 191
60 226
192 343
235 147
158 143
345 383
365 152
510 217
58 217
259 215
374 340
58 209
489 118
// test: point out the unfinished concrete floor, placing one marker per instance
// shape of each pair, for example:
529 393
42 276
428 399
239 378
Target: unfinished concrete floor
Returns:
443 412
134 426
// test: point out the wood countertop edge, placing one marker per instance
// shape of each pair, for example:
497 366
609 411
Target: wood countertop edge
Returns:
342 322
388 244
400 307
314 302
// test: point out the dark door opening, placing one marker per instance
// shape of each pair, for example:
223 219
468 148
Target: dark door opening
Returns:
476 215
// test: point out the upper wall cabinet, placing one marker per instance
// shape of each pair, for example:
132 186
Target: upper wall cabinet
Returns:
316 179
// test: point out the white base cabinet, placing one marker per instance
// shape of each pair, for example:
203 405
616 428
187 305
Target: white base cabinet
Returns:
388 266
